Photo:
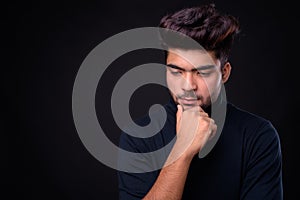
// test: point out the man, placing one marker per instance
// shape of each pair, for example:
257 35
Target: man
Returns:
245 162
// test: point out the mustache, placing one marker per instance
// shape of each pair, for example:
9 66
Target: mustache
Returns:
189 95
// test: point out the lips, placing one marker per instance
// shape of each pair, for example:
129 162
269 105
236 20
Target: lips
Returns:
188 101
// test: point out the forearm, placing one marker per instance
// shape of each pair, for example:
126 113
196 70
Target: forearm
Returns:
190 139
170 182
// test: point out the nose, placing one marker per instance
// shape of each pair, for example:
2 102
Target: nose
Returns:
189 82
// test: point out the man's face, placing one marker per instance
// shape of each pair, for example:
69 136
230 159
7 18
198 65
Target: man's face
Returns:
194 77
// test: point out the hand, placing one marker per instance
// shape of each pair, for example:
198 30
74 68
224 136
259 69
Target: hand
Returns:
194 128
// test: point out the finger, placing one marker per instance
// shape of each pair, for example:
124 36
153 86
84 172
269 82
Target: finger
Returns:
201 109
198 108
193 109
213 131
203 114
178 116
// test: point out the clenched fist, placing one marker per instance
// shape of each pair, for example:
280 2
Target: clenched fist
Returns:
194 128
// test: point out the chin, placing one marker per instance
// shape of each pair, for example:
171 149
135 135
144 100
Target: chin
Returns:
189 104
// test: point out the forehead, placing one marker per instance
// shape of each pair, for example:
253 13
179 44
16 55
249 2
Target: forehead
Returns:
189 59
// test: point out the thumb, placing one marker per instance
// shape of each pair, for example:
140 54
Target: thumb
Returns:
178 117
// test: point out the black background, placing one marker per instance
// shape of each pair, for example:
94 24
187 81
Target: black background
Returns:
44 157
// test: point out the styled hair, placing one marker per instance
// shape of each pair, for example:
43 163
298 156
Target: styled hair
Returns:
212 30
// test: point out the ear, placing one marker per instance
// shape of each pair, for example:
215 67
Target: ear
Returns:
226 72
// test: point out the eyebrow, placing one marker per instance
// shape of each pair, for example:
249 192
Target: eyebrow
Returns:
203 67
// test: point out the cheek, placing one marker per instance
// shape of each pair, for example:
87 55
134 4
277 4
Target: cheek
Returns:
210 84
171 83
204 88
213 86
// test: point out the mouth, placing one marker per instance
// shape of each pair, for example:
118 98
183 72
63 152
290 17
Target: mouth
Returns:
188 101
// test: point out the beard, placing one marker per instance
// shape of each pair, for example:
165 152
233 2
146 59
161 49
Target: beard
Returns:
193 100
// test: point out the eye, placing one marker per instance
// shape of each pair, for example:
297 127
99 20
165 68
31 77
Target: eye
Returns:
203 74
176 73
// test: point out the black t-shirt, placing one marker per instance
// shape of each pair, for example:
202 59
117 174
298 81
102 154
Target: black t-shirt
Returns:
245 163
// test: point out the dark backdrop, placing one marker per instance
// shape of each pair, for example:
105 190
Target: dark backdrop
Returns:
44 157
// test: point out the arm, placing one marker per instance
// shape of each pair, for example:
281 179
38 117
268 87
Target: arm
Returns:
171 180
194 128
263 166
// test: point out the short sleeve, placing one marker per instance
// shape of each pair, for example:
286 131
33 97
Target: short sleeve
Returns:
262 176
133 186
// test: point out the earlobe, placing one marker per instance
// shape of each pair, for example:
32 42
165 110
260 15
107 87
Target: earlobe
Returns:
226 72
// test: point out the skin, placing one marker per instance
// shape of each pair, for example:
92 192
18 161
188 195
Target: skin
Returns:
192 90
202 83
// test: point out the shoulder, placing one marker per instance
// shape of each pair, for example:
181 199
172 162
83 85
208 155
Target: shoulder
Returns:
247 120
261 155
256 130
